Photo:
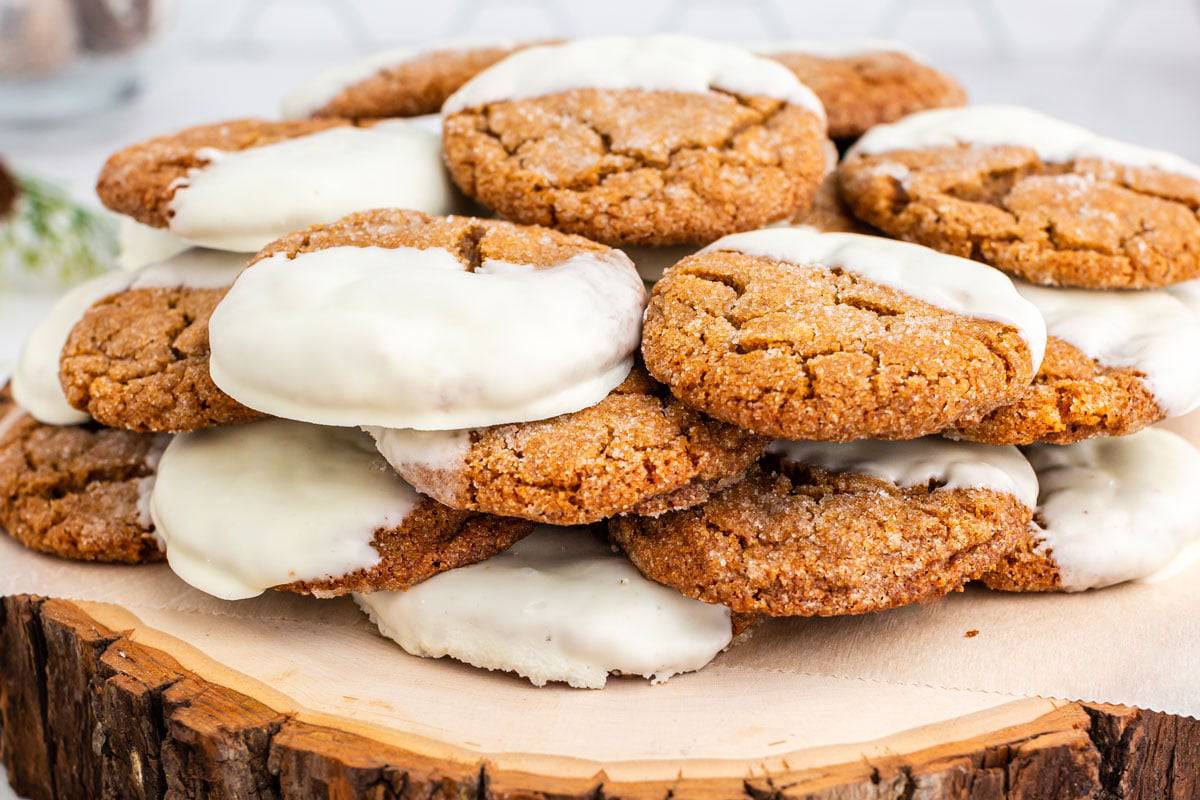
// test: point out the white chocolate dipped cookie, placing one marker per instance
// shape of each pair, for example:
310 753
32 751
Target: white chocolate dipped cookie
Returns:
824 529
36 382
652 141
800 334
398 319
306 508
1037 197
239 185
1109 511
559 606
1115 363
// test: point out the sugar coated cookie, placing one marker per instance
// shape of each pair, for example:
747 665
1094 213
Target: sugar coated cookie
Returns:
1039 198
137 358
279 504
636 450
827 529
557 606
397 319
239 185
401 82
112 359
865 82
74 491
795 333
653 141
1109 511
1114 364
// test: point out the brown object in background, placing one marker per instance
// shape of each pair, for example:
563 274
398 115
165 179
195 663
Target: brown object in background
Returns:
107 27
9 192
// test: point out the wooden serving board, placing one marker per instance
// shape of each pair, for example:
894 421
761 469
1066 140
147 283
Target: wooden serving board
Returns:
96 703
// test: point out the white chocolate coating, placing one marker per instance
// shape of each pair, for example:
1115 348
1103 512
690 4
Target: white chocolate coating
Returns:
1053 139
35 382
557 606
955 284
317 91
248 507
442 453
663 63
836 48
246 199
1116 510
1156 332
407 338
952 465
139 245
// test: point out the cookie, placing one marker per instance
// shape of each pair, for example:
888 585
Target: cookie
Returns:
308 509
240 185
798 334
76 491
866 82
402 320
636 450
396 83
654 141
1039 198
823 529
1109 511
1112 367
558 606
137 356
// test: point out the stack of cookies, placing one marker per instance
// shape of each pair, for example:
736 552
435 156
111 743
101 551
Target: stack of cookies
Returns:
417 361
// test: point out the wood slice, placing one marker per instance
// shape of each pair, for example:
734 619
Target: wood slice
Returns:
88 710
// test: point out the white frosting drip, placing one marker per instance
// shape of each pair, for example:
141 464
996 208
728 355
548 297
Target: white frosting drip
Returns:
955 284
1054 140
407 338
953 465
664 63
139 245
1156 332
246 199
836 48
253 506
35 382
1116 510
316 92
558 606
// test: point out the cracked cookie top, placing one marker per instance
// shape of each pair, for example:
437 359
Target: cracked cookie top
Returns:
402 82
799 334
865 82
1037 197
398 319
637 450
76 491
655 141
130 349
1109 511
279 504
824 529
239 185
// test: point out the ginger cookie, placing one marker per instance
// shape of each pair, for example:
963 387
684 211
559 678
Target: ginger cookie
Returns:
866 82
638 450
309 509
239 185
823 529
395 83
654 141
1112 367
1039 198
799 334
558 606
136 357
1109 511
76 491
402 320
